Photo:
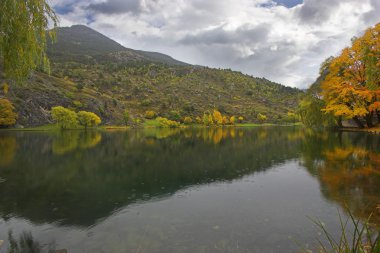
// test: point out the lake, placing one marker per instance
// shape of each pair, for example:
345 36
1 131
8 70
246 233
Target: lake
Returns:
184 190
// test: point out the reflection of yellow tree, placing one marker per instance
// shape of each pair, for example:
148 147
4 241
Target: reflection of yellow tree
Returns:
89 139
351 176
67 141
7 149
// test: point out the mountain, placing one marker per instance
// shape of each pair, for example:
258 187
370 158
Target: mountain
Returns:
92 72
80 42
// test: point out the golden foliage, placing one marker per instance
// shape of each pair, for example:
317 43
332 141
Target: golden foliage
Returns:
7 114
351 89
88 119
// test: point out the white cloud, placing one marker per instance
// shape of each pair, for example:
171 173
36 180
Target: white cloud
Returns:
257 37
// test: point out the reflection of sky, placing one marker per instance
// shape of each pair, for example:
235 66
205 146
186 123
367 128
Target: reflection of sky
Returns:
258 212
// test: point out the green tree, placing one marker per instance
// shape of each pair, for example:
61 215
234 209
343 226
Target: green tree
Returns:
7 114
23 26
88 119
65 118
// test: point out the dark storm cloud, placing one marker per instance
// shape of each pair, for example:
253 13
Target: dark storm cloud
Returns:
116 6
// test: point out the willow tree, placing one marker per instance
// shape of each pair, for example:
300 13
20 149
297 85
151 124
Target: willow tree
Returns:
23 26
352 87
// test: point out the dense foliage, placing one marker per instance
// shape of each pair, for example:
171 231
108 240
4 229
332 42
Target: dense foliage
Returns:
7 114
88 119
64 117
23 26
348 86
351 89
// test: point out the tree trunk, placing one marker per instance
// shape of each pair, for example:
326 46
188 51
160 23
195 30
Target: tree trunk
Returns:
339 122
378 116
358 122
368 119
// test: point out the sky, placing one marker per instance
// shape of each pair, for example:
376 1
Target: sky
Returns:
282 40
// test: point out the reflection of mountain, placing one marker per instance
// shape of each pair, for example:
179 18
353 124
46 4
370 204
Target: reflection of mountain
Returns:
348 168
79 186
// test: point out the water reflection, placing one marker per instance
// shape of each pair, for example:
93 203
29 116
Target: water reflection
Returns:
126 167
348 168
184 190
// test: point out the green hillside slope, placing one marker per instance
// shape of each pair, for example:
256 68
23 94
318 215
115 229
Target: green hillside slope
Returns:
92 72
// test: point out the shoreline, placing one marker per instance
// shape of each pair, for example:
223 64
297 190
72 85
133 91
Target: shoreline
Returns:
46 128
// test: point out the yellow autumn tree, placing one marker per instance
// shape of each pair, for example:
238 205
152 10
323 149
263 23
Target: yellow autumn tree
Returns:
351 88
218 118
7 114
88 119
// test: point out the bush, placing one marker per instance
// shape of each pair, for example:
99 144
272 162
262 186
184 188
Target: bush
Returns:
150 114
65 118
175 115
167 123
188 120
261 117
240 119
207 119
77 104
218 118
225 120
198 120
88 119
232 120
7 115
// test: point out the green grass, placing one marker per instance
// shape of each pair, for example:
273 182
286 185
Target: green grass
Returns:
149 123
363 238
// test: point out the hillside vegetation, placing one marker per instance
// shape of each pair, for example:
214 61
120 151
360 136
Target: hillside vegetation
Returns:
94 73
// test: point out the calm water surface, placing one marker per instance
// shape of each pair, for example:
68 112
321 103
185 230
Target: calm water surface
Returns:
205 190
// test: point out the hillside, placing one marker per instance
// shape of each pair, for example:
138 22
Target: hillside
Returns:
93 72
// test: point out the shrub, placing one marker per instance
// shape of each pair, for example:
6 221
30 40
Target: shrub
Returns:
198 120
207 119
225 120
240 119
175 115
188 120
65 118
7 115
88 119
77 104
167 123
261 117
218 118
232 120
150 114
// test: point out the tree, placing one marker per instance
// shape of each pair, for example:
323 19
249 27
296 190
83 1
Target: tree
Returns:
7 115
88 119
311 114
23 26
65 118
218 118
351 88
232 120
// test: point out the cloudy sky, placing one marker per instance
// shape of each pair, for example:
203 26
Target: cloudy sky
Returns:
282 40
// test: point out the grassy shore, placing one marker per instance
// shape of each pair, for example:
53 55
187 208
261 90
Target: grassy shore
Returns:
146 124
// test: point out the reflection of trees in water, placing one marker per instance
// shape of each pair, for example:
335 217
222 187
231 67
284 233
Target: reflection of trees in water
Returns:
7 149
131 166
66 141
348 168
